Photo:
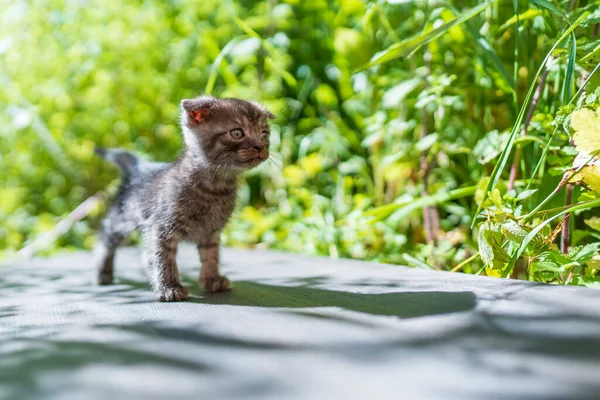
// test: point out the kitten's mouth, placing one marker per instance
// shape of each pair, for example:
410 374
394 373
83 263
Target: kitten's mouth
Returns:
253 162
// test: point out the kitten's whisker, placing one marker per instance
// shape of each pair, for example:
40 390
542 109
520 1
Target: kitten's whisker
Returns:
279 166
274 156
216 156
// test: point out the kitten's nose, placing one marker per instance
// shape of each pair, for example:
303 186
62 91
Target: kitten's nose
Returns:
260 148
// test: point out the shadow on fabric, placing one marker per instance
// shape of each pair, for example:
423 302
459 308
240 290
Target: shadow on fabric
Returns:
399 304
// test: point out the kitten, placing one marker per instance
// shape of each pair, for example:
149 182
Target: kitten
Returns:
191 198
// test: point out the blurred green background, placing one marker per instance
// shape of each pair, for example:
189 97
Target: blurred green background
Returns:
359 151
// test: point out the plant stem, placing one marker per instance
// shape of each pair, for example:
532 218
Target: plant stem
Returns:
465 262
424 167
536 98
565 239
62 227
429 212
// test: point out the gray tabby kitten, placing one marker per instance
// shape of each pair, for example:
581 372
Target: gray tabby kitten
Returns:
191 198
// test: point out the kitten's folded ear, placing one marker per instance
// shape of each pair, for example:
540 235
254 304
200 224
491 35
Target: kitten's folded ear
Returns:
198 109
270 115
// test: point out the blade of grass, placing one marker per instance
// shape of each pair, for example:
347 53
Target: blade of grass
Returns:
465 262
547 5
567 89
516 54
406 208
289 78
416 262
561 208
214 69
516 19
245 27
536 97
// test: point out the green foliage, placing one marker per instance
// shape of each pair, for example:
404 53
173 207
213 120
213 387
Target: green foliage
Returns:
398 122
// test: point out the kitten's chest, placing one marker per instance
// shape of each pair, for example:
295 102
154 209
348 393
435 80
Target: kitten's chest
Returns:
202 214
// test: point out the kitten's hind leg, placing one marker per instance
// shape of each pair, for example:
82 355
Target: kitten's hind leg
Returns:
109 240
210 279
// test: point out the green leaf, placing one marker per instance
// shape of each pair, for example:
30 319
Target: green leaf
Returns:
567 89
513 231
588 281
406 208
496 198
427 142
485 249
547 5
394 96
529 14
490 240
526 193
490 146
546 266
583 254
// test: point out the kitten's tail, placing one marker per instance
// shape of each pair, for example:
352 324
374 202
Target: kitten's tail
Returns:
122 158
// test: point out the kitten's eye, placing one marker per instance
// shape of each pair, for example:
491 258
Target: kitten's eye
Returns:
265 136
237 133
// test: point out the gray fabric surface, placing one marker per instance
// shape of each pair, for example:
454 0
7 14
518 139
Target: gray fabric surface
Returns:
293 328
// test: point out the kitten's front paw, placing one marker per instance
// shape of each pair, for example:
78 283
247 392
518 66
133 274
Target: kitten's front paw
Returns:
105 279
172 293
216 284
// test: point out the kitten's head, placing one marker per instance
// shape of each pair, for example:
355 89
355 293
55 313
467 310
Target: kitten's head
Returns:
229 133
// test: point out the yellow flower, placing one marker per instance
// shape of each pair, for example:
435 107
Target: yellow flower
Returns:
586 123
